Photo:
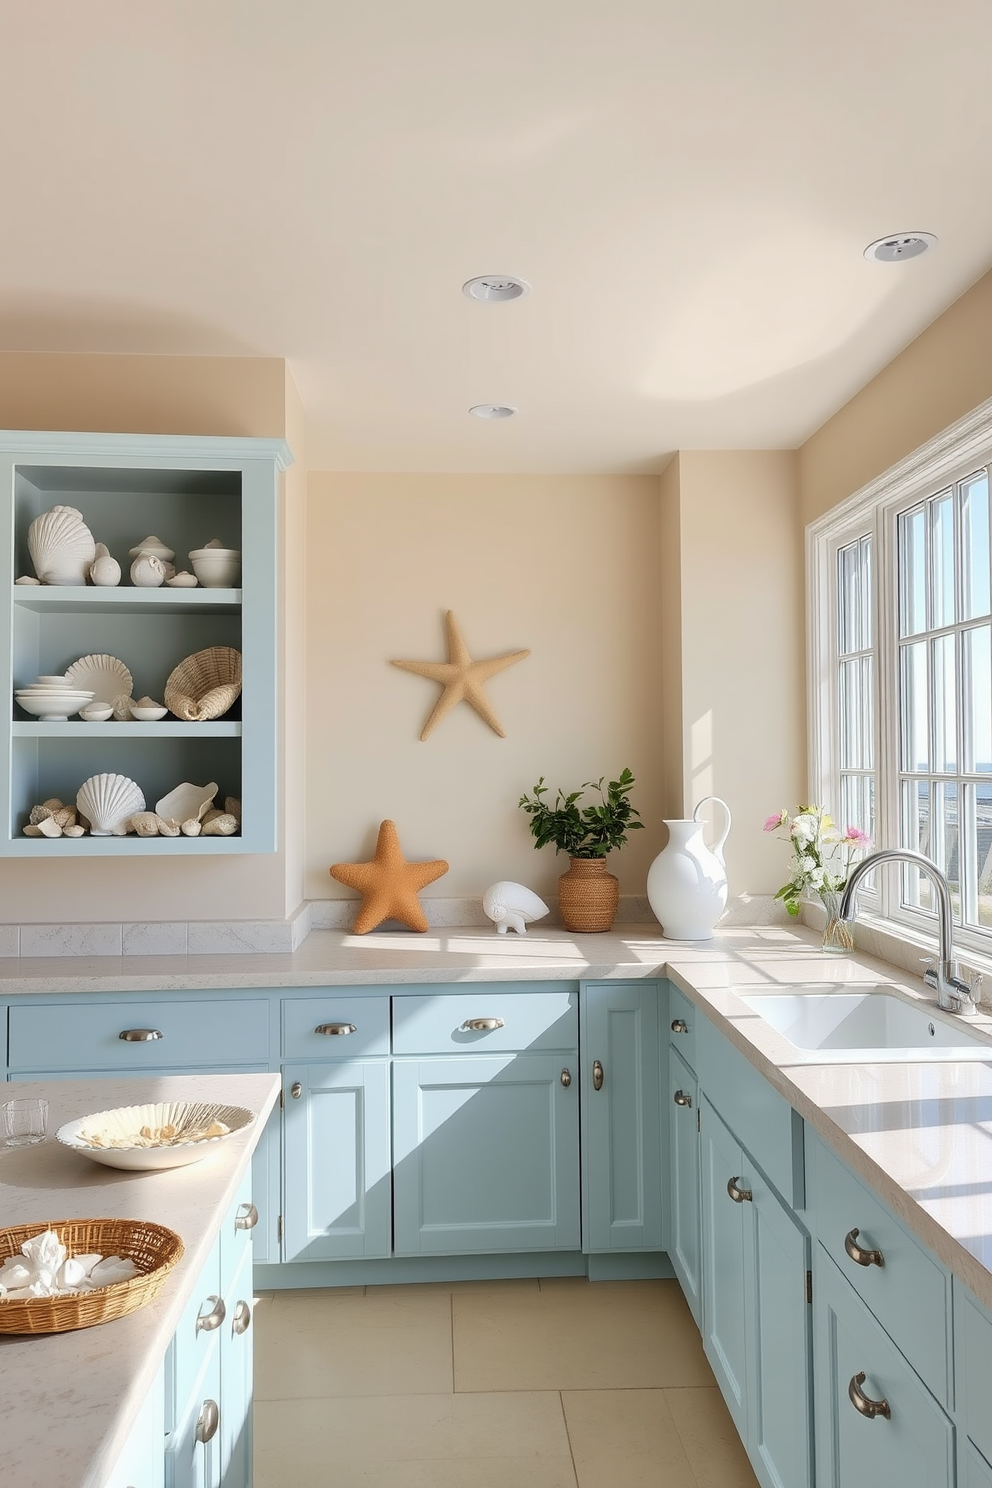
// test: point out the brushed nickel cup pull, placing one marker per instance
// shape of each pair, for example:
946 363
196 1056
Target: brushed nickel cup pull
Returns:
679 1025
598 1077
738 1194
246 1217
241 1321
206 1426
863 1403
859 1255
296 1090
341 1030
140 1035
207 1321
566 1078
681 1099
481 1025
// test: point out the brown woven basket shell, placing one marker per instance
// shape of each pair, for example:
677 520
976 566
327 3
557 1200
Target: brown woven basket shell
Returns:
153 1249
205 685
588 896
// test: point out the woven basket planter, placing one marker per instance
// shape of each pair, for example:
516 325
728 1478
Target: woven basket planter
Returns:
153 1249
205 685
588 896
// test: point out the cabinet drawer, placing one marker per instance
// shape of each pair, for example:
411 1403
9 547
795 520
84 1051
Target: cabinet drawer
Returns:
367 1015
973 1348
908 1293
682 1015
534 1018
86 1035
193 1346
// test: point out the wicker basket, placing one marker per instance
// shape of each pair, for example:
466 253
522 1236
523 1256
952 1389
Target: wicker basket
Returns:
205 685
588 896
152 1248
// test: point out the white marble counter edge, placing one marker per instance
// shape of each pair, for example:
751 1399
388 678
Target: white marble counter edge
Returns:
92 1454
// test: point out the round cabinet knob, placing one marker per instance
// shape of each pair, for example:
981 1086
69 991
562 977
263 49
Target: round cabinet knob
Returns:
140 1035
206 1322
241 1321
681 1099
482 1025
863 1403
336 1030
296 1090
598 1075
566 1078
859 1255
206 1426
246 1217
738 1194
679 1025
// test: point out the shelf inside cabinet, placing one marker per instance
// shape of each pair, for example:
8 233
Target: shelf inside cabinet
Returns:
165 728
64 599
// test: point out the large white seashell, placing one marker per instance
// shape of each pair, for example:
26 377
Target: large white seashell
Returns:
61 546
511 906
108 802
186 803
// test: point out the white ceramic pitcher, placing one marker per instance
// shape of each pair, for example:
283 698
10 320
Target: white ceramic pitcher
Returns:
687 882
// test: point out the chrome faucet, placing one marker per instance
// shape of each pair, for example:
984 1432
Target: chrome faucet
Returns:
954 993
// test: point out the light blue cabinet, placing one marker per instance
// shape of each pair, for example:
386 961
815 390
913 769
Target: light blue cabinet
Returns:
621 1117
336 1160
683 1198
141 1463
876 1423
485 1154
188 491
756 1326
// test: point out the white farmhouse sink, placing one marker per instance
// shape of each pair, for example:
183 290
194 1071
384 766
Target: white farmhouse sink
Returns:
834 1026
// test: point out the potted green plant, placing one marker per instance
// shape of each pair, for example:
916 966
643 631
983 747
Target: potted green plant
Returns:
587 895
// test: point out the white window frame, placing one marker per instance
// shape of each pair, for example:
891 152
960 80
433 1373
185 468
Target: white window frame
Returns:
950 456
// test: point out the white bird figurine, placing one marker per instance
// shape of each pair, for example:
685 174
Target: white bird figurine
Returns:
511 906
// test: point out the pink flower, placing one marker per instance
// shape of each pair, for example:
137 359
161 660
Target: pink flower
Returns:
772 823
856 838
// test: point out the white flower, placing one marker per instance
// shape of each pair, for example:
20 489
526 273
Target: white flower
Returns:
817 879
807 864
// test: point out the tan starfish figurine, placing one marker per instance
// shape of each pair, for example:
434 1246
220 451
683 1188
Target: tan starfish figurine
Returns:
461 677
389 884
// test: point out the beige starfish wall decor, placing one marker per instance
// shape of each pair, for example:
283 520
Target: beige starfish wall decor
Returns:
461 678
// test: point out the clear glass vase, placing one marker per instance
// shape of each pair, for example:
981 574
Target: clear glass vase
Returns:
838 934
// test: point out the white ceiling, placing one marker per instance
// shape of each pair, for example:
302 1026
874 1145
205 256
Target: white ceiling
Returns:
688 185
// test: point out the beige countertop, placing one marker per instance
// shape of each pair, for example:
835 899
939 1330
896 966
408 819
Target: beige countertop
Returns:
67 1400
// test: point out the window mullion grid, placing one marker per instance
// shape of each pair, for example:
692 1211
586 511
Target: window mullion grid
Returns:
887 702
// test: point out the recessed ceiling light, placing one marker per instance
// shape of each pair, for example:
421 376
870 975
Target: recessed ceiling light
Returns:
493 410
495 287
898 246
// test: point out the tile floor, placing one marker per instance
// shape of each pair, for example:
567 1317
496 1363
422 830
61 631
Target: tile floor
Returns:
512 1384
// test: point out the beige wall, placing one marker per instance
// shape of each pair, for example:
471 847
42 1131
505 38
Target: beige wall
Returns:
565 565
742 649
939 377
670 579
164 395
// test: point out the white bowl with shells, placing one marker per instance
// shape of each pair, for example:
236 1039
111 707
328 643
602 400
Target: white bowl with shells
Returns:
163 1134
147 710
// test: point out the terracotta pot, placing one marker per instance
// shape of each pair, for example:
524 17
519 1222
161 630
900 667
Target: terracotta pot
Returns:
588 896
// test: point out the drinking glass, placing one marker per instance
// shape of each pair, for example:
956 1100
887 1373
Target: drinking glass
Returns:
23 1122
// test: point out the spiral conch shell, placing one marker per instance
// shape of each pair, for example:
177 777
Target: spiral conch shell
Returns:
61 546
511 906
108 802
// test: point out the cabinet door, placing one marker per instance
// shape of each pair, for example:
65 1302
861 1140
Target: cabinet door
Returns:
336 1160
912 1446
975 1471
724 1271
192 1454
779 1328
141 1463
621 1117
684 1241
486 1155
236 1381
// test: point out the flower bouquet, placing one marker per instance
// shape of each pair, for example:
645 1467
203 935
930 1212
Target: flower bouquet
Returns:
822 856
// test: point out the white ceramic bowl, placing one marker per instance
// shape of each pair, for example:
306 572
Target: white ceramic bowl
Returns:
147 715
53 705
62 681
97 712
216 568
123 1123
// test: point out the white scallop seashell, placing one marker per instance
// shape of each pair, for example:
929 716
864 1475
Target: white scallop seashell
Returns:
187 802
511 906
61 546
147 571
105 571
108 802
